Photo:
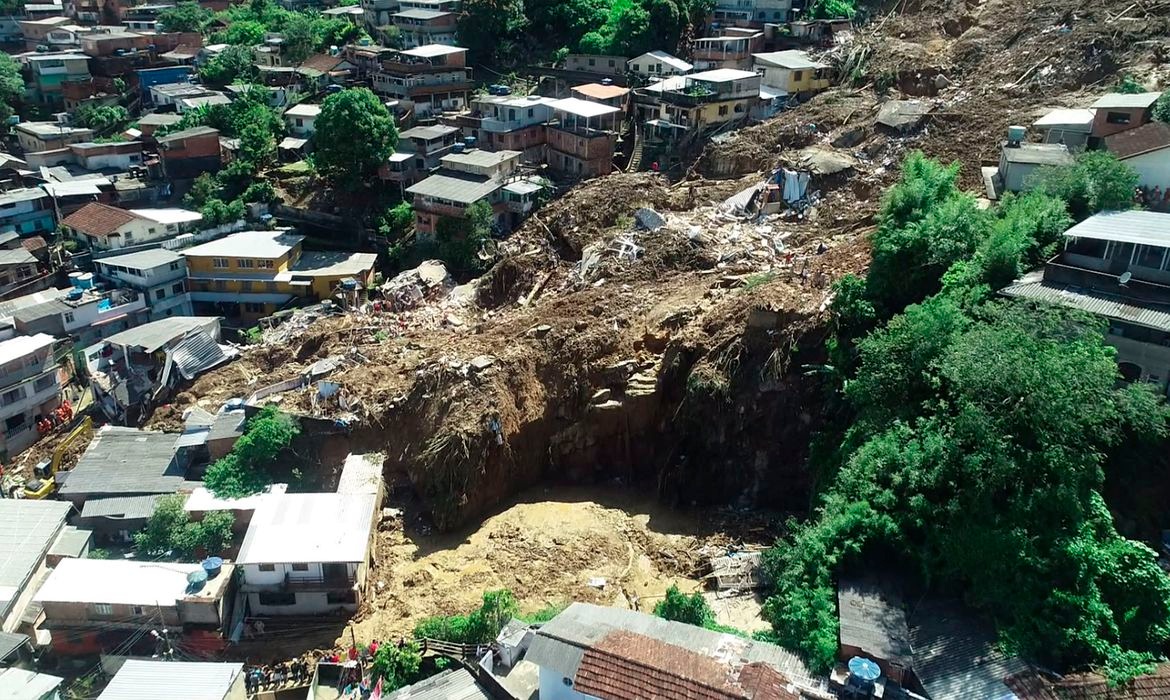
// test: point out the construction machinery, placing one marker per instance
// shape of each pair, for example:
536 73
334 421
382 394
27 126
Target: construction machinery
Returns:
44 481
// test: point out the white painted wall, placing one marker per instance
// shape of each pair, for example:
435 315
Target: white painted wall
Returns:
1153 168
553 687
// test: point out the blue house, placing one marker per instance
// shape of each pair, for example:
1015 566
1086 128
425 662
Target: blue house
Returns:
26 211
149 77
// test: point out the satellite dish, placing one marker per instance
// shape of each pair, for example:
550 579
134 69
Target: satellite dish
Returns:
1125 278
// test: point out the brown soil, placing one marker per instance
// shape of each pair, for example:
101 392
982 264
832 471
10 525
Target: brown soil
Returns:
547 547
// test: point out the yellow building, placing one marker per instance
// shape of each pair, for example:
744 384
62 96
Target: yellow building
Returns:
698 102
792 72
252 274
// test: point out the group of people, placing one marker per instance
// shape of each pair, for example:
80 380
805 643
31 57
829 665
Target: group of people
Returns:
272 676
1153 198
57 417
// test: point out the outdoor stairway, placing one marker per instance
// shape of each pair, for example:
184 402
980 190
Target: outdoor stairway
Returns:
642 384
636 156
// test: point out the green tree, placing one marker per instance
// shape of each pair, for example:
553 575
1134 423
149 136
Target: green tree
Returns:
299 40
257 146
831 9
1161 110
1128 85
11 86
101 118
246 469
355 134
203 190
680 607
480 627
398 667
458 241
260 191
217 212
164 527
169 529
243 33
490 28
233 63
184 17
1097 182
397 221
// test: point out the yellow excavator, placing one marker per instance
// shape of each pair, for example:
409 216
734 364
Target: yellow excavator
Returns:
44 481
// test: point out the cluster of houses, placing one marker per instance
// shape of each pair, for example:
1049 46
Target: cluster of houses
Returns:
1115 265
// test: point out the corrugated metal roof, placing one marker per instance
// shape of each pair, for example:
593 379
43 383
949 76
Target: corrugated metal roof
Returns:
955 656
561 642
1118 100
130 507
173 680
196 354
455 187
873 620
1032 287
1141 227
227 425
126 461
27 530
154 335
143 259
19 684
309 527
1054 154
10 642
452 684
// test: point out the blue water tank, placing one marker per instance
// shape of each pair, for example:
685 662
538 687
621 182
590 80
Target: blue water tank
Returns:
212 566
196 580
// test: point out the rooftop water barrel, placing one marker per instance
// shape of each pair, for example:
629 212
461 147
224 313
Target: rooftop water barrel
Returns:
212 566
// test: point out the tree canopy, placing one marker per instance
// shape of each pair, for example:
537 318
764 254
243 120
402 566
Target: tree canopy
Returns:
184 17
169 529
397 667
246 469
11 86
233 63
977 434
1097 182
355 134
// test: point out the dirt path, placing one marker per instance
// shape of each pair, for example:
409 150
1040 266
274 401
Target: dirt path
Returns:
547 548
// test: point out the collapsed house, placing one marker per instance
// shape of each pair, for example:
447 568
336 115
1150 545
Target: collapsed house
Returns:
132 371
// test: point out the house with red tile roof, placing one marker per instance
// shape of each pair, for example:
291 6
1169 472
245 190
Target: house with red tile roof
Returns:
590 651
103 227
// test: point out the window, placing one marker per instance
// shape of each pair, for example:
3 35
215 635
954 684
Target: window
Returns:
511 115
177 288
722 110
266 265
25 272
175 266
592 62
220 263
611 63
137 610
638 69
149 230
1117 117
300 122
45 382
341 597
267 567
276 599
14 423
220 285
246 263
531 113
797 75
69 317
102 609
1150 256
300 567
10 397
160 294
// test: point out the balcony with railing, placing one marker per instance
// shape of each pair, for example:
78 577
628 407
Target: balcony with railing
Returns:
295 581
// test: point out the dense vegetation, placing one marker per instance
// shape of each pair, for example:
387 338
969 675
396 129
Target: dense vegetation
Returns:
247 468
507 32
973 433
11 86
479 627
169 529
355 134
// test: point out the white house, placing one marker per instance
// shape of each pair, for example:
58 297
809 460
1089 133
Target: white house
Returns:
1146 149
108 228
656 64
307 553
29 389
158 273
301 118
